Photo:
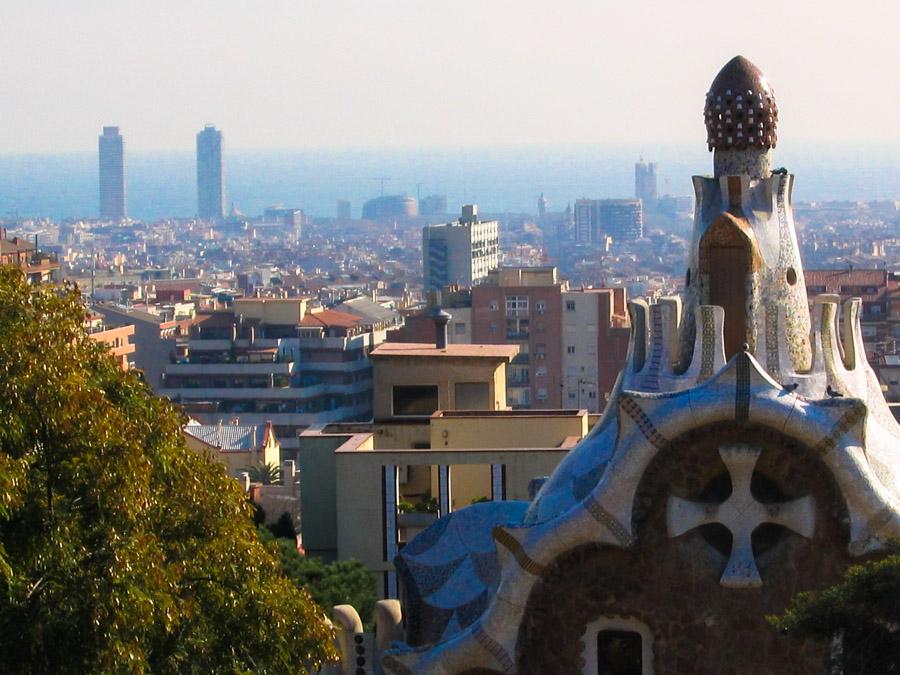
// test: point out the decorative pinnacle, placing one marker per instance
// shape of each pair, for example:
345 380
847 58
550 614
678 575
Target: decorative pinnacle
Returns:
740 109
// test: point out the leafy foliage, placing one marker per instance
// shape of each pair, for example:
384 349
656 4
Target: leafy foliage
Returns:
283 528
121 550
427 504
266 474
343 582
863 609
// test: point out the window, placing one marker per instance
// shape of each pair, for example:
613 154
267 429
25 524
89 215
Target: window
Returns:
415 400
493 328
570 305
619 652
541 371
570 349
459 329
540 351
542 394
617 645
516 305
516 329
472 396
540 306
493 305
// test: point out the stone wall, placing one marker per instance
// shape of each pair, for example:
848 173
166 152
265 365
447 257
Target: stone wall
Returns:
672 585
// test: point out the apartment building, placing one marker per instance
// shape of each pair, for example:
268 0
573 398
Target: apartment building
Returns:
276 359
595 333
620 219
37 266
523 306
118 339
461 252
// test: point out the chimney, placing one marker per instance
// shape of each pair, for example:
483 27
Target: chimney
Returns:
441 319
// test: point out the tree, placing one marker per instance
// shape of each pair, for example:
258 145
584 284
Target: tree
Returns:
266 474
337 583
120 549
862 611
283 528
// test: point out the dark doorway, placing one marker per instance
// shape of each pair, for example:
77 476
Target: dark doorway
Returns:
619 653
727 262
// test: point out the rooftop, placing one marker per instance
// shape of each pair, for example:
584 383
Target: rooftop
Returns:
229 437
330 318
417 349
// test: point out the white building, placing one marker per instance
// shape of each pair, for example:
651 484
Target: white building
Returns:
462 252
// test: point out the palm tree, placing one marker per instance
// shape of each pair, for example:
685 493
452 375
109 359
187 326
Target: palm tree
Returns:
267 474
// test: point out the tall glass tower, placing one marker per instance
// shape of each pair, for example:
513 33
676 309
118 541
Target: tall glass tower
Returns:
112 174
210 174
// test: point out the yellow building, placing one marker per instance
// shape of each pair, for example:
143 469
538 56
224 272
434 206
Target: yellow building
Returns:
442 438
272 311
362 500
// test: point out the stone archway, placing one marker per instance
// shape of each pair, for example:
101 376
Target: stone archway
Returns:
728 260
673 584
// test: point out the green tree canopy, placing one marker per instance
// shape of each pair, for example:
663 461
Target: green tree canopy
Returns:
121 550
862 611
337 583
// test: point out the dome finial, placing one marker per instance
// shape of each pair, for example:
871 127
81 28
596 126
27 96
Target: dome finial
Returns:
740 109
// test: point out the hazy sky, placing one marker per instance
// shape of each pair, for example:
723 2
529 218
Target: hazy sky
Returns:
318 73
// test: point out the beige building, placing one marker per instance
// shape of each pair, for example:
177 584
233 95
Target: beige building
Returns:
416 379
356 493
442 438
236 446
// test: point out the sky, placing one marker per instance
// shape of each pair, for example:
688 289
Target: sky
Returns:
305 74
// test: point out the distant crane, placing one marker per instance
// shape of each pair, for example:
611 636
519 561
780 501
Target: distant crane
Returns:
382 179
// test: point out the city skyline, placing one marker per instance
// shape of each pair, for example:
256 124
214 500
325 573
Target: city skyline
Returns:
339 83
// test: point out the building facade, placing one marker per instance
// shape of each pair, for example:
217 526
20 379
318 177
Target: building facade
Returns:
112 174
268 359
460 253
645 184
390 206
37 266
210 174
595 335
747 455
523 306
620 219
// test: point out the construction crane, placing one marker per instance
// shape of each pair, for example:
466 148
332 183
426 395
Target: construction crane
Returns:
382 179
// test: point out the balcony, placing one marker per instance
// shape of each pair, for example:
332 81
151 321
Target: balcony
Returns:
517 313
230 369
263 393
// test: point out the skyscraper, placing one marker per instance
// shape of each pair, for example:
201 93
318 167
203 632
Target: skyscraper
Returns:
112 174
645 186
621 219
210 174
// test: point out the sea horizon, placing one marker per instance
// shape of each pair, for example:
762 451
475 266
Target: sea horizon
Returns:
500 179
